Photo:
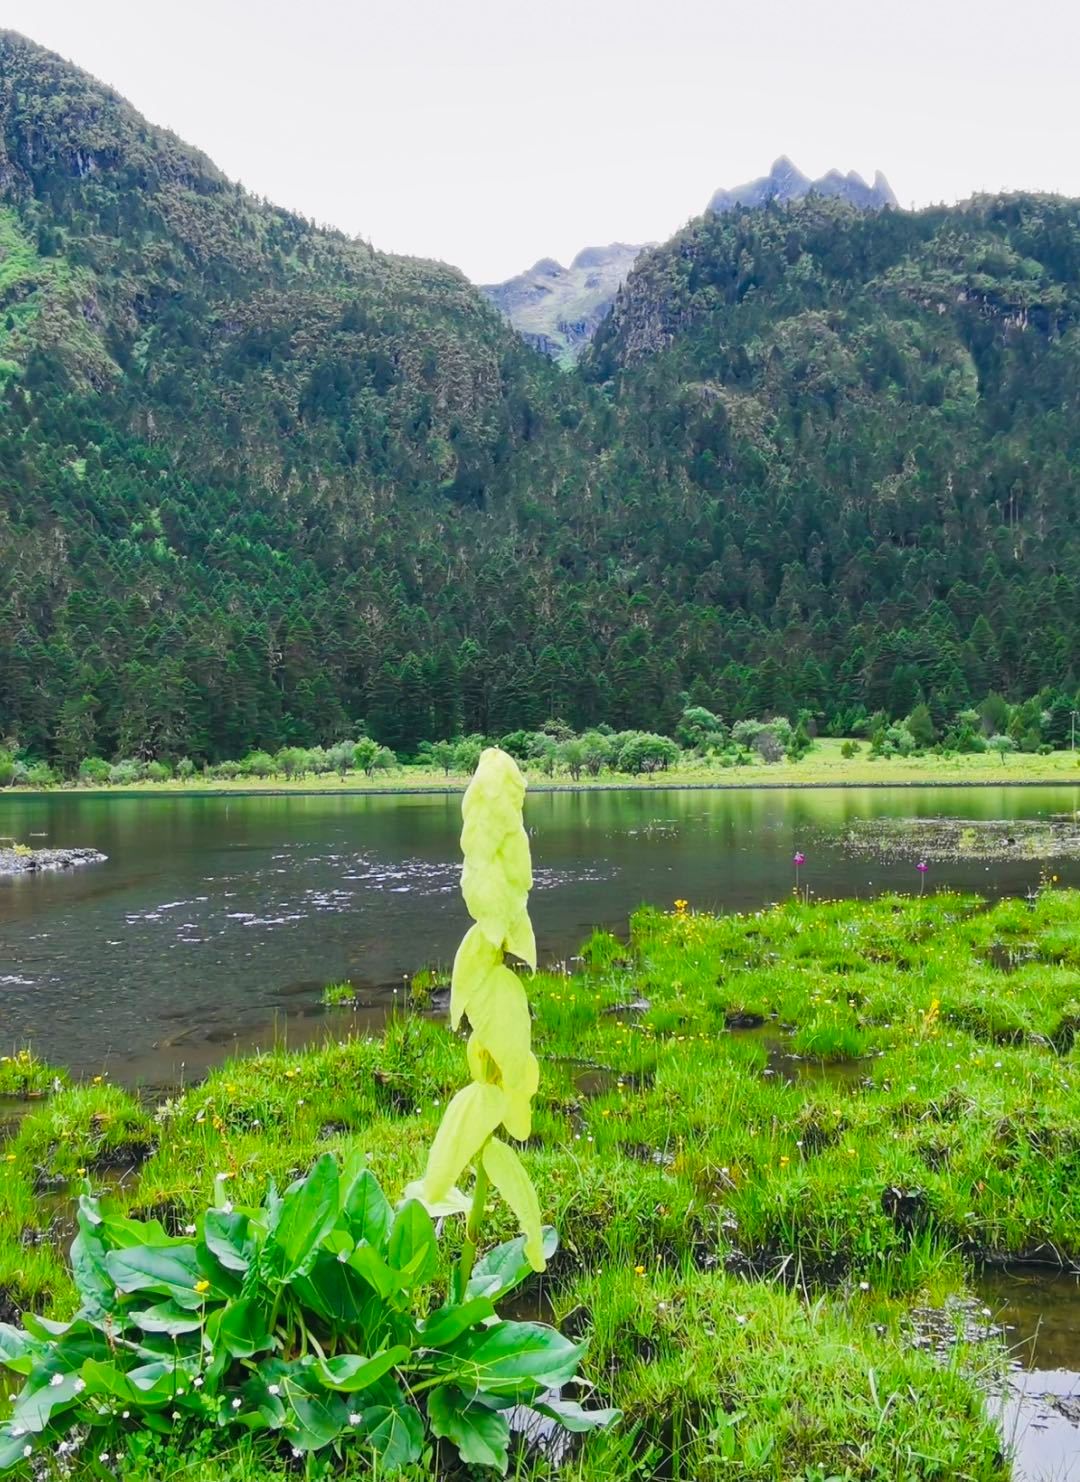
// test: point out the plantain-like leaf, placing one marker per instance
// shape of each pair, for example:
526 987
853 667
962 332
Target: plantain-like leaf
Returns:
366 1209
450 1322
227 1234
480 1435
395 1433
319 1414
412 1250
308 1212
147 1268
351 1372
18 1350
572 1417
167 1317
506 1171
517 1360
506 1266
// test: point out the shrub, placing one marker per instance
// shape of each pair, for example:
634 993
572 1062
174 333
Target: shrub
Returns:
94 772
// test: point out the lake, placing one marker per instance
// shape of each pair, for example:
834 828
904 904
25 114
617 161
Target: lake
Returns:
216 921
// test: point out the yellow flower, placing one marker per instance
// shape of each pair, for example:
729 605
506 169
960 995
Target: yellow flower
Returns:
202 1286
10 1158
680 906
784 1162
639 1270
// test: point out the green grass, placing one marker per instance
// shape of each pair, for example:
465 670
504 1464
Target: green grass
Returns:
748 1217
824 766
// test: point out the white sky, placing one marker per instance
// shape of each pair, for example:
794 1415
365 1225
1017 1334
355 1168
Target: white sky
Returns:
493 132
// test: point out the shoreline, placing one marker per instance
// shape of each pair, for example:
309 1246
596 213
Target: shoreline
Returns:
228 790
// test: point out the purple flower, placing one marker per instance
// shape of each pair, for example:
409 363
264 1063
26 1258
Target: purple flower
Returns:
922 867
800 858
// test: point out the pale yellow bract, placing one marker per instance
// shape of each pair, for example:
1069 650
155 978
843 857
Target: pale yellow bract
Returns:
495 880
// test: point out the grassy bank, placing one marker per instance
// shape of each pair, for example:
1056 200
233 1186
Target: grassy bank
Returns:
824 766
766 1140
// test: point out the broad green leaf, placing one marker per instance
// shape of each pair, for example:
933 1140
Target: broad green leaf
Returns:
480 1435
468 1122
366 1209
515 1359
41 1398
320 1414
572 1417
167 1317
242 1329
395 1433
105 1379
505 1267
228 1237
308 1211
507 1173
341 1295
386 1280
96 1288
350 1372
413 1250
173 1271
18 1350
13 1448
449 1323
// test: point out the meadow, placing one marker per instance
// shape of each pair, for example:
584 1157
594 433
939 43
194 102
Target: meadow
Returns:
770 1144
824 765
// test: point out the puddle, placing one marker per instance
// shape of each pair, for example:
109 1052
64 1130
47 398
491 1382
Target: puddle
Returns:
800 1070
1008 959
1039 1403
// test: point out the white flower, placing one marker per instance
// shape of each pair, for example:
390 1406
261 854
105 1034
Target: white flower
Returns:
56 1380
176 1415
227 1208
79 1386
236 1403
273 1389
297 1452
189 1229
104 1456
864 1286
197 1382
28 1450
355 1418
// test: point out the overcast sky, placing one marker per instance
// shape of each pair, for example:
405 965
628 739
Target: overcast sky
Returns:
493 132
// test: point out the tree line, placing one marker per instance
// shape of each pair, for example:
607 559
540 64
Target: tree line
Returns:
1043 724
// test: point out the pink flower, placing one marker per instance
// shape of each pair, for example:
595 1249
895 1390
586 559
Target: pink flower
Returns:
922 867
800 857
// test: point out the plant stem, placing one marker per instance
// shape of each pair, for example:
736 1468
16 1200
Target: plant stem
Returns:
472 1229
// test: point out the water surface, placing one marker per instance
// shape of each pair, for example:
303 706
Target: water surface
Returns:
217 918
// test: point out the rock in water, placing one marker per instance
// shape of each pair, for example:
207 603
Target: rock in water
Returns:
33 861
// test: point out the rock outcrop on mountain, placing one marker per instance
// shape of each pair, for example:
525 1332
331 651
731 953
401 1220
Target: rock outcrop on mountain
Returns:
785 182
557 309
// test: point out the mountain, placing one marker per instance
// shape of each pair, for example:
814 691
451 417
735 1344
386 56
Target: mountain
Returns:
557 309
259 483
785 183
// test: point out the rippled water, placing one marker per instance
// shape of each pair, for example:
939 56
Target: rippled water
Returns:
216 921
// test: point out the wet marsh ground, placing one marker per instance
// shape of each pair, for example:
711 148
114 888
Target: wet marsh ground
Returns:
795 1157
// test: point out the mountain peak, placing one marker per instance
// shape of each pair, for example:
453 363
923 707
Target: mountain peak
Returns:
786 182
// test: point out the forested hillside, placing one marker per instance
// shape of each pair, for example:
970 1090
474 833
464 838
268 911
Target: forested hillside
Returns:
258 482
